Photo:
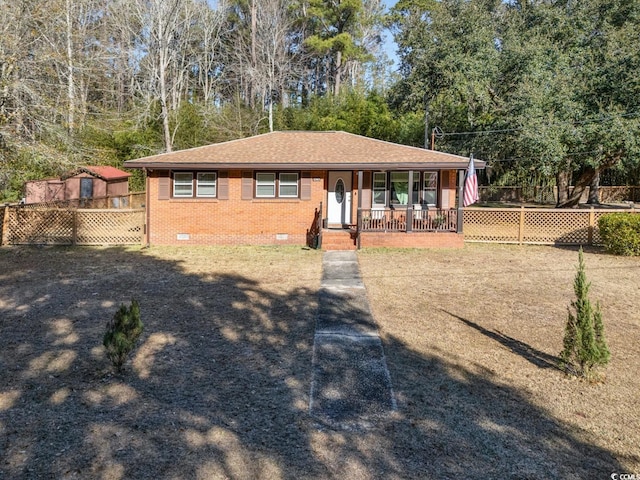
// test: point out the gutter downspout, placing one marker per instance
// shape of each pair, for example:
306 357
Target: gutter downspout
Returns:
359 214
147 210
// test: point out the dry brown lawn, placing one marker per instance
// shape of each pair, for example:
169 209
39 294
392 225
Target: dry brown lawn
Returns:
219 386
472 339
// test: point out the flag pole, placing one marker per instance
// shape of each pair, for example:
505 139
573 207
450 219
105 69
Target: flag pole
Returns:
471 184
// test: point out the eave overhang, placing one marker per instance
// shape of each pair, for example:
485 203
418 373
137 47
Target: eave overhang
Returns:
304 166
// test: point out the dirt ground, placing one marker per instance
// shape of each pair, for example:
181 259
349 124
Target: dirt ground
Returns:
219 386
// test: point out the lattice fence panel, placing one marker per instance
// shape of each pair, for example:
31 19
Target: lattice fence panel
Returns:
561 227
109 227
32 226
488 225
597 239
542 226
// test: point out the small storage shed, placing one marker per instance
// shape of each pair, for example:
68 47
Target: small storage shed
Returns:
83 182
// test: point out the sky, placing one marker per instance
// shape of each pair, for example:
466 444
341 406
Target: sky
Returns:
389 44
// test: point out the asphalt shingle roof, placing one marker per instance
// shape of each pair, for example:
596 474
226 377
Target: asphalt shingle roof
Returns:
304 150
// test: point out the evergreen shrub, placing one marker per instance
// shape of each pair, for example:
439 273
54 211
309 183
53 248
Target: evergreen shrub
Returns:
620 233
584 343
123 331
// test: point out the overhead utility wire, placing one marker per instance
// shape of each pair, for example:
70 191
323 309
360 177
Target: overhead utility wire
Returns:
505 130
520 159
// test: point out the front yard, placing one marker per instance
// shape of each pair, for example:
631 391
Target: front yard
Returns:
219 387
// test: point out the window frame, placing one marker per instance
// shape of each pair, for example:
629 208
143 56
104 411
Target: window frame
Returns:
410 195
182 183
277 183
424 188
385 190
196 184
288 184
258 185
207 183
418 195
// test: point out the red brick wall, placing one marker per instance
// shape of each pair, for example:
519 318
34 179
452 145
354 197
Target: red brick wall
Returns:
233 221
263 221
412 240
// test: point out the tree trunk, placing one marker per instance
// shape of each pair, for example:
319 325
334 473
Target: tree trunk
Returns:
427 143
336 90
270 100
162 74
254 55
594 197
582 183
71 87
562 182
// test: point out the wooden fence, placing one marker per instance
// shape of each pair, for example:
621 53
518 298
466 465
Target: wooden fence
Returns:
548 195
55 226
130 200
545 226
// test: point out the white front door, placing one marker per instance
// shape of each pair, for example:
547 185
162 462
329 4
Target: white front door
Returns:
339 201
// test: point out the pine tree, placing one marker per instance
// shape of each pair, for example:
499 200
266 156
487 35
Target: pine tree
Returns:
584 343
122 334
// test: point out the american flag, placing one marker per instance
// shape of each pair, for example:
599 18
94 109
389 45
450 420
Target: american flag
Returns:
471 185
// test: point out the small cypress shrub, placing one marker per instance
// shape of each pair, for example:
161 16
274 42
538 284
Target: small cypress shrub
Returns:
584 343
620 233
122 334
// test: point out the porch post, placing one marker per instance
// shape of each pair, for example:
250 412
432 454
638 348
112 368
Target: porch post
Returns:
359 214
147 209
410 204
460 199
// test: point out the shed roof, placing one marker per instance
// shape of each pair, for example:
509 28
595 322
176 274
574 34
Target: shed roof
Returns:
105 172
304 151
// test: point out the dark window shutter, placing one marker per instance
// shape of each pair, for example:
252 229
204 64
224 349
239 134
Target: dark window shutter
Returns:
305 186
223 185
164 186
247 185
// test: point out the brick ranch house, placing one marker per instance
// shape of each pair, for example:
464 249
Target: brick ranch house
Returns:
335 188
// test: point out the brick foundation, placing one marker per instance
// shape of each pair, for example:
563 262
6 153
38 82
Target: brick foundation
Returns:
412 240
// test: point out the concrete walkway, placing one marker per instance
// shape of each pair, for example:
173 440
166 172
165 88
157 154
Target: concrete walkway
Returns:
351 386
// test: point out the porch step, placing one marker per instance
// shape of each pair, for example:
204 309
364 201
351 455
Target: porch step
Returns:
338 240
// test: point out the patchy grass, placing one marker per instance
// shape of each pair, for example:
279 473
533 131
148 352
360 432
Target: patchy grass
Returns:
219 385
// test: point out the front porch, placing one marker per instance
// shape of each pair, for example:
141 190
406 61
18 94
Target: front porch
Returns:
413 209
427 228
420 220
